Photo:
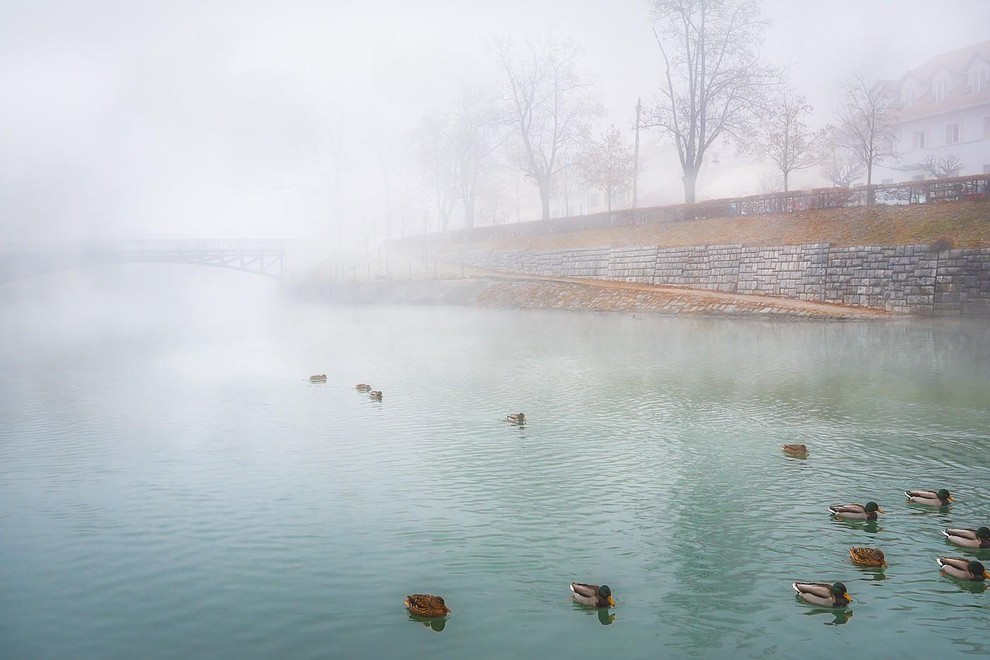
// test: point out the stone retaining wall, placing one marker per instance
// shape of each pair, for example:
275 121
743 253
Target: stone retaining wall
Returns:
908 279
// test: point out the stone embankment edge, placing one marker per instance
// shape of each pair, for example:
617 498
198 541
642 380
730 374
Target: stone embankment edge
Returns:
482 288
916 280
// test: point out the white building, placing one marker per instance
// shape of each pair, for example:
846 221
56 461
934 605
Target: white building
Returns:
944 117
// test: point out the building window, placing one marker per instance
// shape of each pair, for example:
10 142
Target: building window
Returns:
908 97
978 79
941 89
952 134
919 139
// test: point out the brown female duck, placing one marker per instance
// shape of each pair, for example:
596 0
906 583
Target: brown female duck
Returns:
427 605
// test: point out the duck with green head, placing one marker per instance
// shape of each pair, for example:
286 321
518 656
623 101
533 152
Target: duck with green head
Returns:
866 511
592 595
968 538
940 497
823 593
964 569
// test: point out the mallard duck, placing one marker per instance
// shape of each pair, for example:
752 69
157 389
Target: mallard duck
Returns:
592 595
969 538
856 511
823 593
427 605
867 556
964 569
516 418
320 378
795 450
362 387
376 395
939 497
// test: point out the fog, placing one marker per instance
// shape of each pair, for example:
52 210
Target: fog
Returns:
217 120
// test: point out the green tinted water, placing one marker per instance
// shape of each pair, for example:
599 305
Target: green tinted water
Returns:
171 485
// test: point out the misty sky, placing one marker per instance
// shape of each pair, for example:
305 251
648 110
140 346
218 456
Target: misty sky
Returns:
209 119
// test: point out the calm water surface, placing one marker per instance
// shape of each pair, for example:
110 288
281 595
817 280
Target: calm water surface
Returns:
172 486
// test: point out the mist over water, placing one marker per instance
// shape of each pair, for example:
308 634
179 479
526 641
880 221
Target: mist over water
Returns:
172 485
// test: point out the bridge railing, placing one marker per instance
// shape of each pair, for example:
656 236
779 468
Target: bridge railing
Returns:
262 257
148 245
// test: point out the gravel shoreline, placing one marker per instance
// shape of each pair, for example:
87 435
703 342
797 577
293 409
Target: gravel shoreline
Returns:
623 297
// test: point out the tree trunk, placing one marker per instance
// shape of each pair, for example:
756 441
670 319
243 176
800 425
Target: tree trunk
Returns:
544 187
785 180
870 193
690 178
469 211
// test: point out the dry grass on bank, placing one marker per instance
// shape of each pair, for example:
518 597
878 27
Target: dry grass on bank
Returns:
955 224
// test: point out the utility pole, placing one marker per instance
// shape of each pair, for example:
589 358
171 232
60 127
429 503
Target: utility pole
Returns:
639 106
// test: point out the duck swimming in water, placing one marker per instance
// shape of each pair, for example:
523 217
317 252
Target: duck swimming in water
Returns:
868 557
968 538
591 595
964 569
320 378
427 605
823 593
868 511
798 450
940 497
362 387
516 418
375 394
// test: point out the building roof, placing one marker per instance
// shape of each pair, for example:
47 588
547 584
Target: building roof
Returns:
956 62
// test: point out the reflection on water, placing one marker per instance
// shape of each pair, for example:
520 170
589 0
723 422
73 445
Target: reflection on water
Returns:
968 585
605 615
182 489
435 624
833 616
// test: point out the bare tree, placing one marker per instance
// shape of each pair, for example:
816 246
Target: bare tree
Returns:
546 102
866 125
437 155
494 204
943 166
334 161
476 137
607 164
785 137
842 170
714 79
564 182
840 166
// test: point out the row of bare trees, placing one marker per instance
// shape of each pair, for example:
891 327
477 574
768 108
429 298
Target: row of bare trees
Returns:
539 119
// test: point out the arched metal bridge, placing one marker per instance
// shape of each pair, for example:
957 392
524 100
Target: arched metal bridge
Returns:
261 257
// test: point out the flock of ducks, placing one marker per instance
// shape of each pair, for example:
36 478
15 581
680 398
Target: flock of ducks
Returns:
823 594
360 387
835 594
